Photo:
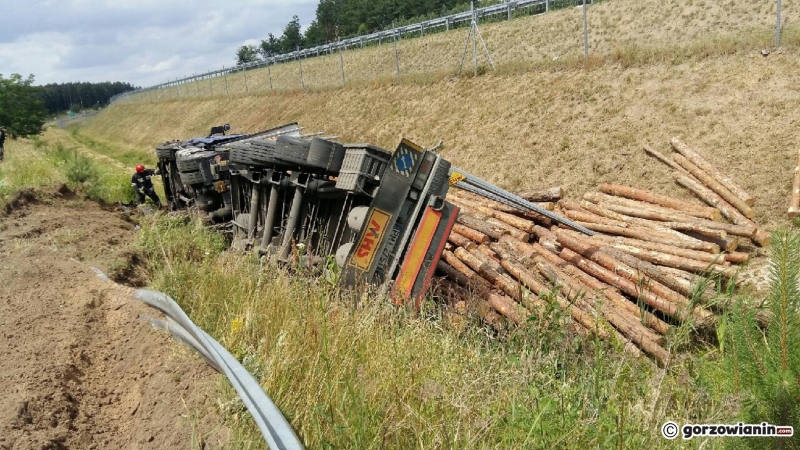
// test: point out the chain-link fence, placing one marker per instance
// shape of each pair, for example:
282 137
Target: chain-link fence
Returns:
565 30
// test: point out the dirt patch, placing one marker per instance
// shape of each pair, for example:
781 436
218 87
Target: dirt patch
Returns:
79 366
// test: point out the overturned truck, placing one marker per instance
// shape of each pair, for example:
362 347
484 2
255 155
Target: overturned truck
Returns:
307 199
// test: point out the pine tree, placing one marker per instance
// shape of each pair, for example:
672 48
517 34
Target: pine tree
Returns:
764 364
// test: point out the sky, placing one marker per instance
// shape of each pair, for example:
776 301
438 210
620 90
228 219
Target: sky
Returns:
143 42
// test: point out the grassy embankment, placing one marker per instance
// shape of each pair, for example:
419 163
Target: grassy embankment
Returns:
55 158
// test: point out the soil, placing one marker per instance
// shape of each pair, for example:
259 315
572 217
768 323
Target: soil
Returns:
80 366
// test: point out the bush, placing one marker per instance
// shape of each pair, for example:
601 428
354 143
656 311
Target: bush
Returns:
81 170
764 364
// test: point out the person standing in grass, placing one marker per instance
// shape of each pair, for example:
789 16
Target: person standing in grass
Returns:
143 185
2 141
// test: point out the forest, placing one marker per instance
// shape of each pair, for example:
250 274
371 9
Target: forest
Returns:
74 96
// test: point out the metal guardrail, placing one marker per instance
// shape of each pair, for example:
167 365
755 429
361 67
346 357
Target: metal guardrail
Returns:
445 22
277 431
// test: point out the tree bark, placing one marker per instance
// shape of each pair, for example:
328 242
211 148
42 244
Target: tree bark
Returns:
646 234
692 209
705 166
715 186
552 194
663 159
459 240
654 288
473 235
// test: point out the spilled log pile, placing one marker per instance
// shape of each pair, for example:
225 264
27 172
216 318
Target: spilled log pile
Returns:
637 278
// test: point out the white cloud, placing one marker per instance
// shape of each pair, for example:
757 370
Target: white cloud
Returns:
144 42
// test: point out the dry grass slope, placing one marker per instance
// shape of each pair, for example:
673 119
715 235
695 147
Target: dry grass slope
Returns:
576 128
624 30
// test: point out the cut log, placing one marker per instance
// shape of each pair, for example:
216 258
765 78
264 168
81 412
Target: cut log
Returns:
627 326
501 207
475 279
593 218
692 209
553 194
623 284
459 240
705 166
621 242
568 204
635 221
727 244
760 237
515 232
715 186
505 306
486 251
527 279
737 257
677 262
651 270
613 295
664 159
665 214
646 234
510 219
473 235
794 201
480 225
654 288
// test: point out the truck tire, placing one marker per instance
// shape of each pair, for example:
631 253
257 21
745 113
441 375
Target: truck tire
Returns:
190 178
292 150
325 155
166 151
191 162
255 154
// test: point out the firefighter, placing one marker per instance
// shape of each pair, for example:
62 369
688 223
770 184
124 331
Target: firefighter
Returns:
142 184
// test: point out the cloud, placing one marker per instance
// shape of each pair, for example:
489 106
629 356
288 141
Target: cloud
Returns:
144 42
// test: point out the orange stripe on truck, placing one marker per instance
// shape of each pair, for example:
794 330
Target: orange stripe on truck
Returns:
416 256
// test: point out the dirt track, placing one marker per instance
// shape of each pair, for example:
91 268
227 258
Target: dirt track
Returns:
79 368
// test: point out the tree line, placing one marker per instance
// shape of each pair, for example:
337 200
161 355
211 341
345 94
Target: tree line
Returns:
339 19
58 97
24 107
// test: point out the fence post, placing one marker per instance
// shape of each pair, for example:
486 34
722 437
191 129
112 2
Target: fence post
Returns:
509 11
225 75
300 62
546 5
244 72
211 84
396 58
447 23
178 85
269 72
778 25
341 60
586 33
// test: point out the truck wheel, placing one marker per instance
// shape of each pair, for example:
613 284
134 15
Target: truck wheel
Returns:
190 178
191 161
166 151
325 155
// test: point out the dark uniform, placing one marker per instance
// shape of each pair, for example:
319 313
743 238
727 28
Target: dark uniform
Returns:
144 186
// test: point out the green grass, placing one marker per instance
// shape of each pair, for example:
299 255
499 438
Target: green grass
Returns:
355 372
42 163
127 157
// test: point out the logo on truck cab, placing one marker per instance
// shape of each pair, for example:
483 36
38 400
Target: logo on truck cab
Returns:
370 241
